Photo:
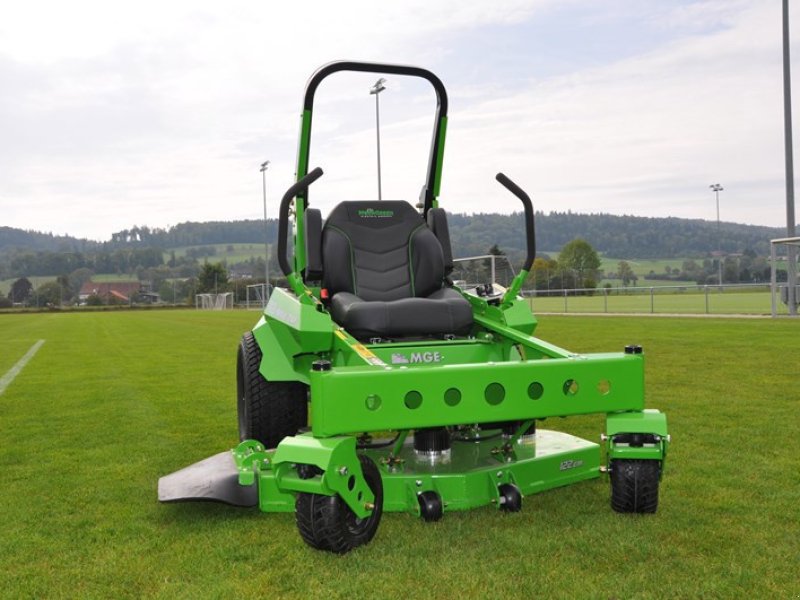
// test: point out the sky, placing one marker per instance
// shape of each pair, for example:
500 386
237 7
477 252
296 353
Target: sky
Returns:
150 113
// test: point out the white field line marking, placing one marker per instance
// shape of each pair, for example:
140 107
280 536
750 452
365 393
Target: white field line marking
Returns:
14 371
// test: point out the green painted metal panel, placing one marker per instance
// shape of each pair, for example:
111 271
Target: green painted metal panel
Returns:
288 333
304 146
469 477
518 316
440 353
300 200
401 397
437 184
270 496
655 452
278 346
337 459
649 420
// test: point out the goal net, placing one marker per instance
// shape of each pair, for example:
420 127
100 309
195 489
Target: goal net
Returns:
259 293
489 268
789 292
222 301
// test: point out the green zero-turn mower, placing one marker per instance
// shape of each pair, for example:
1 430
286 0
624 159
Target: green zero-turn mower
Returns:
374 384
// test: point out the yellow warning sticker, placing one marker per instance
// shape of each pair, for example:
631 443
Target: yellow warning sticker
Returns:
367 355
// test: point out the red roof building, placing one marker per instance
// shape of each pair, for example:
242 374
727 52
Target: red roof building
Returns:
121 291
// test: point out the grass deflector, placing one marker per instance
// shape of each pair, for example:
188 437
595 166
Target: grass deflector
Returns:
374 384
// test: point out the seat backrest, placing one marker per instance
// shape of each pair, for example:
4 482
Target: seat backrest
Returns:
380 251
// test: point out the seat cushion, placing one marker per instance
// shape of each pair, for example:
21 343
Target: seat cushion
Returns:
380 251
444 311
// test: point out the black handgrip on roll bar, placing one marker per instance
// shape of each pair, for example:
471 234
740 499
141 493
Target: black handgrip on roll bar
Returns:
530 232
283 216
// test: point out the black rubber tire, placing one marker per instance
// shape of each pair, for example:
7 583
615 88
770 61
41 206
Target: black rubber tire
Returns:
510 497
634 485
430 506
327 523
268 411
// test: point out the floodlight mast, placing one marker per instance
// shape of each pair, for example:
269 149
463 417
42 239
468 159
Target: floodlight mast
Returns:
717 188
791 250
375 90
264 166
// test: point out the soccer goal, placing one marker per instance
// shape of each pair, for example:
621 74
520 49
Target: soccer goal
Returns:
471 271
260 294
222 301
789 292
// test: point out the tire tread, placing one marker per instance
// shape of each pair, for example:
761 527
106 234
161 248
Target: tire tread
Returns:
634 485
274 409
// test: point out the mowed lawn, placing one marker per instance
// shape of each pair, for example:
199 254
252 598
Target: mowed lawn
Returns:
112 401
736 302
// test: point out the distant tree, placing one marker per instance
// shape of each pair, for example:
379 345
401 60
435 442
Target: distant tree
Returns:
20 290
94 300
212 278
625 272
66 288
579 258
730 270
78 277
543 271
5 302
50 293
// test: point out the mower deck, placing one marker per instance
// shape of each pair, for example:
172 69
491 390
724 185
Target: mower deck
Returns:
470 474
467 476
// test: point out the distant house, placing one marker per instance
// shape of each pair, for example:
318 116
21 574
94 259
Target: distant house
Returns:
119 292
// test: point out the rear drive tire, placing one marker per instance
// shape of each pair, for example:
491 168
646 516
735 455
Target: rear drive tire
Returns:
327 523
634 485
268 410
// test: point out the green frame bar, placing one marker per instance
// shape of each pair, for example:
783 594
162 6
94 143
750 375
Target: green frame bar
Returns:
361 399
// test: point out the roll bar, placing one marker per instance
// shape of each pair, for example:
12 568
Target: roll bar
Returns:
433 178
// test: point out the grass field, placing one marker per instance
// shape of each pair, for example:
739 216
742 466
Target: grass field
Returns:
36 281
643 266
233 253
113 401
736 301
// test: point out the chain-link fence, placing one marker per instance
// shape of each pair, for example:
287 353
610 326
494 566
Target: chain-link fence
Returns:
747 299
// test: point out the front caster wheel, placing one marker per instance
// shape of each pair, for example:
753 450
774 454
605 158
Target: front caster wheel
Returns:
430 506
634 485
327 523
510 498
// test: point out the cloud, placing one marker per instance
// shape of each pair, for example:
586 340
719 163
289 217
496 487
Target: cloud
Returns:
155 113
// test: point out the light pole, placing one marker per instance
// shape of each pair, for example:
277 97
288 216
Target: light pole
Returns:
264 166
717 188
375 90
791 250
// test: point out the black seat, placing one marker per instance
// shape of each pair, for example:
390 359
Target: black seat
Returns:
384 270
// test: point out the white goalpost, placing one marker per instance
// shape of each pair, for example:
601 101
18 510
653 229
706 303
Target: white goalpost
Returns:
261 293
223 301
486 268
789 292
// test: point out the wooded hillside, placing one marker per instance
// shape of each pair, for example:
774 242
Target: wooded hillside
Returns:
626 237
